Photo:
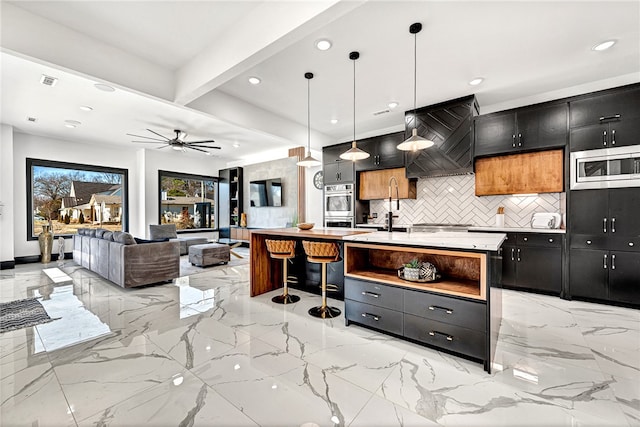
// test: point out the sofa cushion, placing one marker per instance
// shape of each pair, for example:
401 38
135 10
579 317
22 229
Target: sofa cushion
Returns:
107 235
123 237
162 231
100 232
92 232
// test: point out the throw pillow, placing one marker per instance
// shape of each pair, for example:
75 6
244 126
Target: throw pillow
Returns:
162 231
107 235
141 241
125 238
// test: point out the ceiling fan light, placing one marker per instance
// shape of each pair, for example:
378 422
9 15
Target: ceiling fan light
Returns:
354 153
415 142
176 147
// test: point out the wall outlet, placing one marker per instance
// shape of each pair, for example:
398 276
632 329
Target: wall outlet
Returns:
374 215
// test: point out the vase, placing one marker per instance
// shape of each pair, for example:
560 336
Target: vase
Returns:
243 219
45 239
411 273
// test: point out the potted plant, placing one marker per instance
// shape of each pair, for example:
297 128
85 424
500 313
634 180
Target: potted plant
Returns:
412 269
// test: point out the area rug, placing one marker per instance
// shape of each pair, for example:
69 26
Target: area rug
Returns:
22 313
186 269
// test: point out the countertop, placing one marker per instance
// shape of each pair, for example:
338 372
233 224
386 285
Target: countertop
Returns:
329 233
519 230
441 239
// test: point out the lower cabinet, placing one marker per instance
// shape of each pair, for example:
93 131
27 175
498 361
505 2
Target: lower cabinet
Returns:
605 275
446 322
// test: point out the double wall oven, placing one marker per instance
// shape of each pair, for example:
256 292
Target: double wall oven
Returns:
339 205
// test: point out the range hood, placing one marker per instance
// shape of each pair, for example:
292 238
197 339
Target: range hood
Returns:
449 125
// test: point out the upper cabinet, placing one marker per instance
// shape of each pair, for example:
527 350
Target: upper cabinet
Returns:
524 129
449 125
606 120
383 152
334 169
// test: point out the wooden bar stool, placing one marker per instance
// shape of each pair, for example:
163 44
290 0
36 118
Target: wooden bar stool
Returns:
323 253
284 250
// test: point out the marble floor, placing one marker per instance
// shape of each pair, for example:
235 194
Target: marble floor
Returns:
201 352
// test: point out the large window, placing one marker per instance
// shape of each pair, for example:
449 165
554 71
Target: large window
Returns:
188 201
70 196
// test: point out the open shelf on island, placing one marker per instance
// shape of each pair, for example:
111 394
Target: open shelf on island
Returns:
463 273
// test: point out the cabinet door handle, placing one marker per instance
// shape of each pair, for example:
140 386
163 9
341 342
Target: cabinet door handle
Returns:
604 137
588 242
604 225
613 261
604 261
526 239
613 225
613 137
518 254
512 254
513 137
615 116
447 336
373 316
437 307
371 294
550 240
337 179
519 140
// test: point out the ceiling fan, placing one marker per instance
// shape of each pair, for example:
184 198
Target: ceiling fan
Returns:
177 143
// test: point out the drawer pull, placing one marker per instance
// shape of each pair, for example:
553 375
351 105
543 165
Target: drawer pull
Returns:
615 116
588 242
550 240
526 239
631 244
437 307
371 294
373 316
446 336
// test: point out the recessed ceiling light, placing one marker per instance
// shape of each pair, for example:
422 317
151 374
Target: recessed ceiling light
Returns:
323 44
86 108
604 45
254 80
393 104
476 81
71 123
103 87
334 121
236 145
48 80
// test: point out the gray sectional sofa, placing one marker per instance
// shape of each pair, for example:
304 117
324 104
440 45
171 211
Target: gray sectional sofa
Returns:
128 262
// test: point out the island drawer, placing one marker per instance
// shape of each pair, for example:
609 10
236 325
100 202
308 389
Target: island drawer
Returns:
373 293
455 311
374 316
547 240
446 336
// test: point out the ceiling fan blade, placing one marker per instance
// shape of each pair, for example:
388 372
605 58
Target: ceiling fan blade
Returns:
204 146
148 137
161 136
199 142
151 142
197 149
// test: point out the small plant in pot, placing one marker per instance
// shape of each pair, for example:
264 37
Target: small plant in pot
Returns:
412 269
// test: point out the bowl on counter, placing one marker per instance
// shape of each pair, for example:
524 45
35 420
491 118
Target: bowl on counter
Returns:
305 225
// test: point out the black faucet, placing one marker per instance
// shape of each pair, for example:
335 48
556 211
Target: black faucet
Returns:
390 214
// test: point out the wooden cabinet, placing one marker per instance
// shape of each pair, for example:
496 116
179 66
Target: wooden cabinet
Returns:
240 233
524 129
605 119
374 185
539 172
230 197
533 261
383 152
334 169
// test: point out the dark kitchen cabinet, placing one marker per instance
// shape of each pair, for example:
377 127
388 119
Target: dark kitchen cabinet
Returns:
533 261
334 169
530 128
229 199
383 152
624 277
605 119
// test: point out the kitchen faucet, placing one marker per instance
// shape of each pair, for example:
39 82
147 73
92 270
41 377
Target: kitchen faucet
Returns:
390 214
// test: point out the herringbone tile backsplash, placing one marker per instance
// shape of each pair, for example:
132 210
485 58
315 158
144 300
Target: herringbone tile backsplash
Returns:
452 200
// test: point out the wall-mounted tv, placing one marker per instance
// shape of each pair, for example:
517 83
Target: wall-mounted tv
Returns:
266 192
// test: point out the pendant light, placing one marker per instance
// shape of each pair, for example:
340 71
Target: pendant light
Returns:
309 161
354 153
415 142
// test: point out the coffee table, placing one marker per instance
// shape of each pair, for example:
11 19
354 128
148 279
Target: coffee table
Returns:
232 245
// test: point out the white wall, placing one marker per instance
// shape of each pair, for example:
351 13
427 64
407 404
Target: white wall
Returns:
142 165
6 194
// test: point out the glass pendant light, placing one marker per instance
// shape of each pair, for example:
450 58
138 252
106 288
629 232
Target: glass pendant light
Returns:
354 153
309 161
415 142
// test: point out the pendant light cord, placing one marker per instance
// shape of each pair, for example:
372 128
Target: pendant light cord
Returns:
309 117
354 99
415 78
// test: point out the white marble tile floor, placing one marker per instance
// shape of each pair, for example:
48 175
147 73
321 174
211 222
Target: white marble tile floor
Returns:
201 352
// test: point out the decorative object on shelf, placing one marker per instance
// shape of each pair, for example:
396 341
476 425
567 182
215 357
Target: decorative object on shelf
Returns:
305 225
354 153
412 269
500 217
318 180
416 271
243 219
415 142
309 161
45 240
177 143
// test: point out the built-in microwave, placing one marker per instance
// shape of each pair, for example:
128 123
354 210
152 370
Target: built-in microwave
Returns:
605 168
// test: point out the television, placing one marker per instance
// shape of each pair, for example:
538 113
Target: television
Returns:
266 192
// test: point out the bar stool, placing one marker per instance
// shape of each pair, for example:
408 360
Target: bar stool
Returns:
284 250
323 253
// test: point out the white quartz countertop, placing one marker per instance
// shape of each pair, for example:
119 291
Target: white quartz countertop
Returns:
519 230
441 239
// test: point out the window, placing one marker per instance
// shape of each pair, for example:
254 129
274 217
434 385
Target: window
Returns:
188 201
70 196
